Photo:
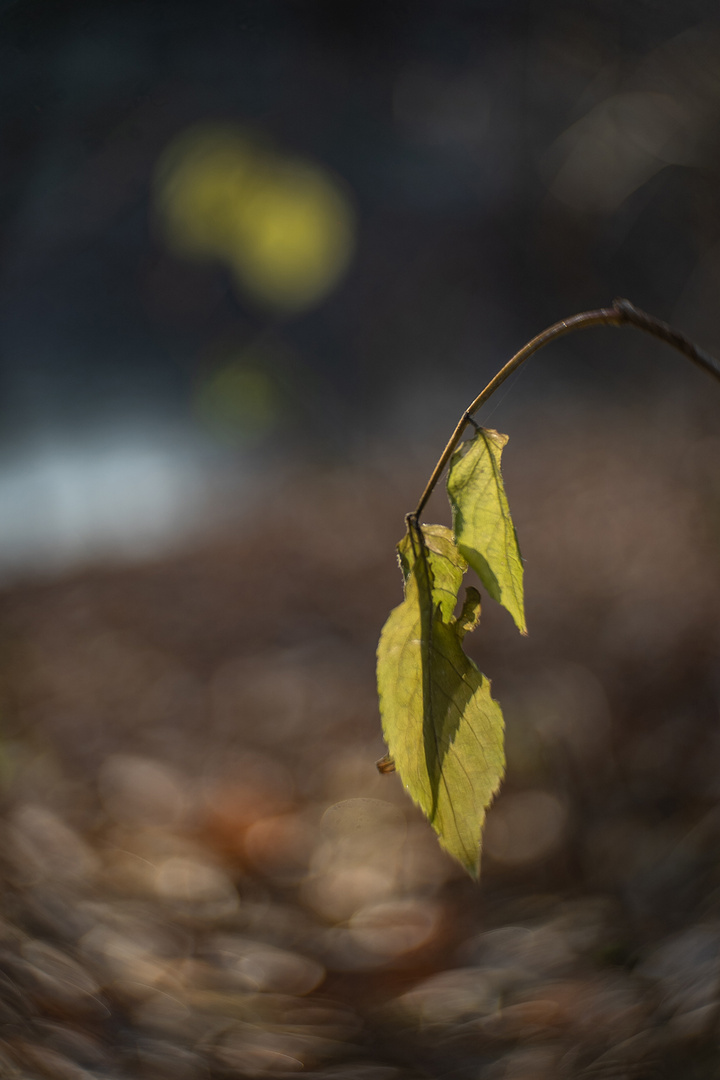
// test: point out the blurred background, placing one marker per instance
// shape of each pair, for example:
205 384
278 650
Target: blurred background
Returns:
257 259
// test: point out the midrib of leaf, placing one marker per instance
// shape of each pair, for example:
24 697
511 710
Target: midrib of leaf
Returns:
509 534
427 646
443 729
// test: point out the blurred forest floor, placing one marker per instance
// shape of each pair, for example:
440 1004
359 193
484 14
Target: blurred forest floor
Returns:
203 874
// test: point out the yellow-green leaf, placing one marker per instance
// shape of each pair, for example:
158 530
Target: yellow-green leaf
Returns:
443 729
445 561
481 520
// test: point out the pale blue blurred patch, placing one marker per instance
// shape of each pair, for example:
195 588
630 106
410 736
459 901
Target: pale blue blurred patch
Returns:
123 494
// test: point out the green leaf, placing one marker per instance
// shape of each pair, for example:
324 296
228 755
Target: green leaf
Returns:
481 520
442 727
446 563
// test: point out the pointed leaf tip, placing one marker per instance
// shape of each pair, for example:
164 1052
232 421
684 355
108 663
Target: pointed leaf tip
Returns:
482 523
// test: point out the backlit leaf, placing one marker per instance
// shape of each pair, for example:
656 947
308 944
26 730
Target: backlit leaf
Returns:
442 727
446 563
481 520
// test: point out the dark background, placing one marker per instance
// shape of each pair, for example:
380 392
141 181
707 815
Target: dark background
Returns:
481 211
202 479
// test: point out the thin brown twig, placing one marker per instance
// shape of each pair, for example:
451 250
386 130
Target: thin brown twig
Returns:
621 313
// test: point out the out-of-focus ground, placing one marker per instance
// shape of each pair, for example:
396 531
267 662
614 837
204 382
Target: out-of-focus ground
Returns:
203 874
256 260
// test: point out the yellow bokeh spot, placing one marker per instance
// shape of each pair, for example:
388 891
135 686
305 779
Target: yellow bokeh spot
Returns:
198 181
297 238
284 227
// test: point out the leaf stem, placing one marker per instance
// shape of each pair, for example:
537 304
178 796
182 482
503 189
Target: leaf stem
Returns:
621 313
